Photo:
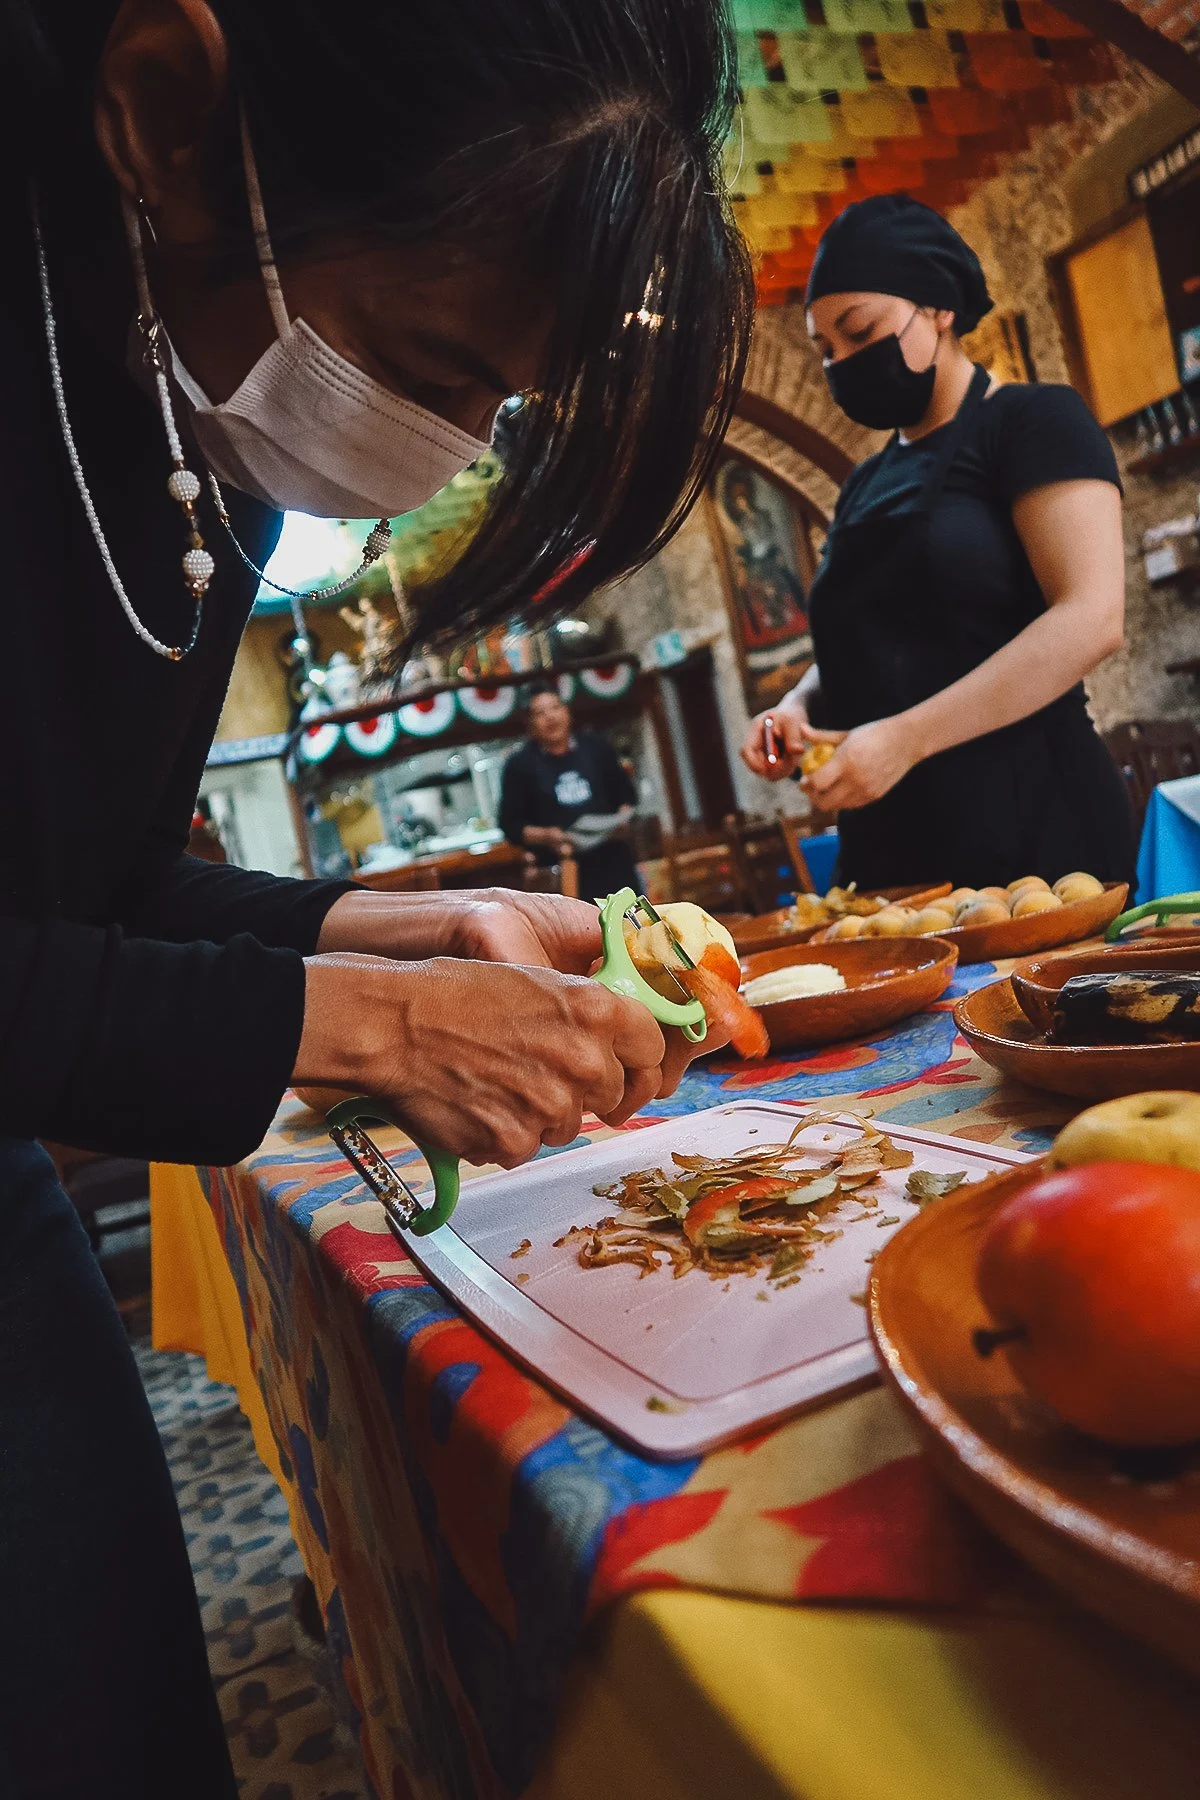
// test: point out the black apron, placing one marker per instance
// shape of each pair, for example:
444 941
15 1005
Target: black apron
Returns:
1039 797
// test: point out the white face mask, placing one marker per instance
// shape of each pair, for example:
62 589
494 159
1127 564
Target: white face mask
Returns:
307 431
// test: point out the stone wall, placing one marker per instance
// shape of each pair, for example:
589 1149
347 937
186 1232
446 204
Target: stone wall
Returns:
1071 178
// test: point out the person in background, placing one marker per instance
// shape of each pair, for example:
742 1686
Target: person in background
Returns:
565 793
973 574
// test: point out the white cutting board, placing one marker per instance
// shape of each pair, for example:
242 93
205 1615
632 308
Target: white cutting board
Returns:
675 1367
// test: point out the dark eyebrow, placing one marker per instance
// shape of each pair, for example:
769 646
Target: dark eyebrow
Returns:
462 357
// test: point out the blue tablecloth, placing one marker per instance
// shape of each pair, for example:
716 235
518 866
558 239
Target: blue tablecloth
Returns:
1169 857
820 853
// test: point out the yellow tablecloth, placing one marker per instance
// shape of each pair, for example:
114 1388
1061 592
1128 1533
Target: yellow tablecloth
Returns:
194 1304
686 1696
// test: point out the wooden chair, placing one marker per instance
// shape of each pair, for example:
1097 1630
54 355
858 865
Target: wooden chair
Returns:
769 860
1148 751
551 878
703 869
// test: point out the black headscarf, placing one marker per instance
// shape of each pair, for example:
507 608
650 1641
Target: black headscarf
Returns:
891 244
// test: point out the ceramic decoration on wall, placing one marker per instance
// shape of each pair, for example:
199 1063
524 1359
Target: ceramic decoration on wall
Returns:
487 705
566 688
427 718
373 737
607 684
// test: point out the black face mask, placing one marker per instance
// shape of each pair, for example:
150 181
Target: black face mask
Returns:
876 387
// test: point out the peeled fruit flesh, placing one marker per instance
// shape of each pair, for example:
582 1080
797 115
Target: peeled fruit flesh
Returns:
1033 900
849 927
706 941
1150 1128
815 757
1092 1276
1078 887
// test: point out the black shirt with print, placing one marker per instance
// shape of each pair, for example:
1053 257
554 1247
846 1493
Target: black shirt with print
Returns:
544 790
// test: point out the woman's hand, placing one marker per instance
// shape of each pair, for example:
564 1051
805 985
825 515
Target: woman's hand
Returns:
481 1060
500 925
790 723
867 763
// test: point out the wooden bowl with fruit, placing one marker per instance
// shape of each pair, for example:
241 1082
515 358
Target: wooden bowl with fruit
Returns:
1029 915
1042 1328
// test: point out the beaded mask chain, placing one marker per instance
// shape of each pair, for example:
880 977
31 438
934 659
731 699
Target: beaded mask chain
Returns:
183 484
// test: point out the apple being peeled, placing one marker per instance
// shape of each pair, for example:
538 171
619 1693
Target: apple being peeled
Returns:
1092 1276
705 940
714 980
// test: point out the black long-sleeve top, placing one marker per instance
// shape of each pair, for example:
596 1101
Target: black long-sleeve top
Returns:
150 1003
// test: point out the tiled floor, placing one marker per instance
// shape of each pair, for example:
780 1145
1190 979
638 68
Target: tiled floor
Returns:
273 1681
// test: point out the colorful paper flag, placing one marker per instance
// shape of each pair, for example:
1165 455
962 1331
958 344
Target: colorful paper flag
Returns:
752 71
837 144
882 112
820 61
966 15
808 175
880 177
778 115
786 210
916 59
769 15
962 112
854 16
1004 62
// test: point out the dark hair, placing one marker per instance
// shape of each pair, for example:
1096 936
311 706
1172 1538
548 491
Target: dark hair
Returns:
543 685
578 139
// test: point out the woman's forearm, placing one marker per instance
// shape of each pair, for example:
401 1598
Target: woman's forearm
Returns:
1036 667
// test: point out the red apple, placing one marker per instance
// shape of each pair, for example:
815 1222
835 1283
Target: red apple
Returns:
1092 1275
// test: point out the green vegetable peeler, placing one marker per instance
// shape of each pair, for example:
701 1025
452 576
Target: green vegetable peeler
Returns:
1158 910
347 1121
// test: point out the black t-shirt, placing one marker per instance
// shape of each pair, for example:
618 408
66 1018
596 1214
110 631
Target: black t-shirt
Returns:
1021 438
545 790
540 789
984 591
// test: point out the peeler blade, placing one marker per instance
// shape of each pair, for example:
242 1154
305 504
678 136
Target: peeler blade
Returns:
363 1153
650 916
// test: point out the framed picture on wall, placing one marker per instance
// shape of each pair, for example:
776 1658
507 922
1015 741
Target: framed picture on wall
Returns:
764 550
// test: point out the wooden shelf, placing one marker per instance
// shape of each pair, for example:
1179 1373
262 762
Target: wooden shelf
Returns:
1165 458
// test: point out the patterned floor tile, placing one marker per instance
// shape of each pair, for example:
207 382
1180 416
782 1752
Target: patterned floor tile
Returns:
274 1684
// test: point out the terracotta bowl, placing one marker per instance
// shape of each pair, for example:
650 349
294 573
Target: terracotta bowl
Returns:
1120 1535
775 930
886 979
1036 983
997 1030
1040 931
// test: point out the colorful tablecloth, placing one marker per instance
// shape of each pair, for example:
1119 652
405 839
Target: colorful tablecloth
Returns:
462 1525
